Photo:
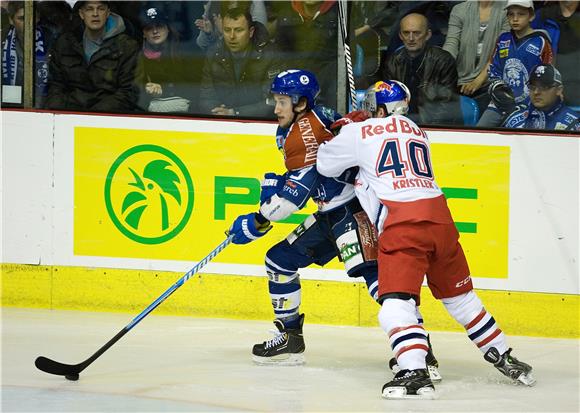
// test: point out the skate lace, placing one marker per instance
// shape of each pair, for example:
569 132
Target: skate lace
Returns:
279 338
405 375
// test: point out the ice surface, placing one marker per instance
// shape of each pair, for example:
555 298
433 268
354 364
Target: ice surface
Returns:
180 364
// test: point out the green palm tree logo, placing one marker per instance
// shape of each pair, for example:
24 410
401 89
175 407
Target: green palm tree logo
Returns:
149 194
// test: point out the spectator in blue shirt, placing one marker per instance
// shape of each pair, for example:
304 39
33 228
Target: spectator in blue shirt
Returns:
546 110
516 53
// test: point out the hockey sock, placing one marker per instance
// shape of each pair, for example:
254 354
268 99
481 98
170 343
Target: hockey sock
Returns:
372 281
285 292
408 339
481 327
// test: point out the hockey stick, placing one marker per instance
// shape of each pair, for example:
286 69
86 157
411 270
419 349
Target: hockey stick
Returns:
343 21
71 371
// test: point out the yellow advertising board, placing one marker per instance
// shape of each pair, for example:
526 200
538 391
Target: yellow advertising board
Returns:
171 195
475 180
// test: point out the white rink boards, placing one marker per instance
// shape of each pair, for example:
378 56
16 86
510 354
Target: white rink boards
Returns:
182 364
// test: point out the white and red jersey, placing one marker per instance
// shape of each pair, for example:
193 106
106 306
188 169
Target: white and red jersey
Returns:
395 170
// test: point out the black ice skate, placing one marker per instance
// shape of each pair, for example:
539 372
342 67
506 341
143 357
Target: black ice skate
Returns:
510 366
410 384
286 348
430 360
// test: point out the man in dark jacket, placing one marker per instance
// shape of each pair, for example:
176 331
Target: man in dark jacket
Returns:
238 69
428 71
94 68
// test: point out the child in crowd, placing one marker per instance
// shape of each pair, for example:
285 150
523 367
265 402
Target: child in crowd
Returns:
516 53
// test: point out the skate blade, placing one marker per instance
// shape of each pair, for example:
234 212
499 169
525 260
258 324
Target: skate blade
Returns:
400 393
527 379
282 360
434 374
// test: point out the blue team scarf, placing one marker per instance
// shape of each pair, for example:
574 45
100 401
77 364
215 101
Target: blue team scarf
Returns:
10 61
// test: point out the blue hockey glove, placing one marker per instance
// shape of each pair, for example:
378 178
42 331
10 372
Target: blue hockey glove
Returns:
270 186
246 229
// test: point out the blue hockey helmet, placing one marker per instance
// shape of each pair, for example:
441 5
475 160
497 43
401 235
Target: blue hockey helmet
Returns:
394 95
296 84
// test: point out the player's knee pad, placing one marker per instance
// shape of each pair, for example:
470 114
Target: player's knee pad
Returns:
395 313
286 298
464 307
279 267
284 282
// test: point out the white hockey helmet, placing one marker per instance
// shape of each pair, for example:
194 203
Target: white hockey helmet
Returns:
392 94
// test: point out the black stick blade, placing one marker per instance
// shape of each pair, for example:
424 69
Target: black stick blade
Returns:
54 367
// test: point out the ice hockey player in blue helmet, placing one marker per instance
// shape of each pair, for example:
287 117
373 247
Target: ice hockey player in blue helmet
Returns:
339 228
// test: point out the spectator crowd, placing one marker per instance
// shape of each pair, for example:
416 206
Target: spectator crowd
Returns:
485 63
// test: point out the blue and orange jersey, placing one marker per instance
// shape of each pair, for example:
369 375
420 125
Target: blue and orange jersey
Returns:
299 143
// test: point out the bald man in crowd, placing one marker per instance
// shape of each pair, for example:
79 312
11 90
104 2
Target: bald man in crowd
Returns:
429 71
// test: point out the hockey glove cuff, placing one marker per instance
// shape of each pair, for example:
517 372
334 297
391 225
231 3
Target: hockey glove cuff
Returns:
246 229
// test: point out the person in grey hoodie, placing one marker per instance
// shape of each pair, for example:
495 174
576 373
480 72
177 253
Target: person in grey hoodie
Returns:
94 68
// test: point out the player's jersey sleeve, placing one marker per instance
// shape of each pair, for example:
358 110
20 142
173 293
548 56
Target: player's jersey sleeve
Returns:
338 154
293 196
299 186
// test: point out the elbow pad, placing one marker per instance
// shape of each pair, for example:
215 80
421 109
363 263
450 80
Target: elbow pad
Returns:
278 208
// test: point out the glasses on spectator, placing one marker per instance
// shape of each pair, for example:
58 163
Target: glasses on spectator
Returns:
99 9
540 88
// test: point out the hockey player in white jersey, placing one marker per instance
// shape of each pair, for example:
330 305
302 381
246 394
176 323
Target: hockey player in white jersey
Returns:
417 238
338 226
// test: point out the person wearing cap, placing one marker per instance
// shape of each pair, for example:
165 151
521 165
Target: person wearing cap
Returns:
94 67
167 80
546 110
516 53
